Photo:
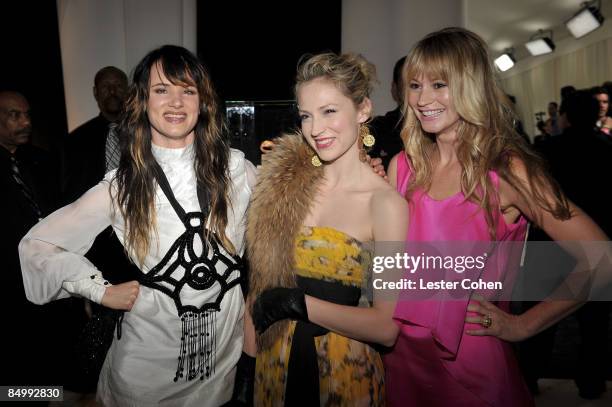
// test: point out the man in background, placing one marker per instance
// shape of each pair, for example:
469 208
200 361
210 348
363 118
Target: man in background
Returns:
552 124
566 91
604 122
386 129
36 338
578 158
92 149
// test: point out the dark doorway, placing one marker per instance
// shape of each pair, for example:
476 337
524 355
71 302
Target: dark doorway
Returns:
252 48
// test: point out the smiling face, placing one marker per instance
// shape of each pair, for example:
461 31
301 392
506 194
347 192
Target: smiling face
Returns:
329 119
172 109
430 100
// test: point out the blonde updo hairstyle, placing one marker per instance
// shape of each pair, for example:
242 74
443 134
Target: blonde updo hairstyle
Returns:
486 139
351 73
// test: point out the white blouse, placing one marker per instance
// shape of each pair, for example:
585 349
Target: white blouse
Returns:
139 368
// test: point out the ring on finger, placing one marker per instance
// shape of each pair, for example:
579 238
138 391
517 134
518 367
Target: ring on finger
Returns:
486 321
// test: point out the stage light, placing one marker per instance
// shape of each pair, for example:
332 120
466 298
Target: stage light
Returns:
540 44
505 61
586 20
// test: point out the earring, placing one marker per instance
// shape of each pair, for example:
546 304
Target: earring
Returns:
367 139
315 161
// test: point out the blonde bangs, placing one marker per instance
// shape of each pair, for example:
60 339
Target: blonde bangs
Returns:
422 62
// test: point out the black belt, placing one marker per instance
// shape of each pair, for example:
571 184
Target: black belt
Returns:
302 387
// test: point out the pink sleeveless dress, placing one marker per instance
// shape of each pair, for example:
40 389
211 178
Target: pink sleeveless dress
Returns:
434 363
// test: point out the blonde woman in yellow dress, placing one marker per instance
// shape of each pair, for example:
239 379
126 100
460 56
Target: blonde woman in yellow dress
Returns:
315 205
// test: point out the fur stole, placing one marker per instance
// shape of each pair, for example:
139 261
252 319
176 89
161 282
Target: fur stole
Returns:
286 188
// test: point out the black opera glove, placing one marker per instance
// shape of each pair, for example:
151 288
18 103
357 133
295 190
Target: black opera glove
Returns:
279 303
244 384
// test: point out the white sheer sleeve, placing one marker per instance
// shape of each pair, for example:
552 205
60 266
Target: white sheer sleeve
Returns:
52 253
251 172
243 177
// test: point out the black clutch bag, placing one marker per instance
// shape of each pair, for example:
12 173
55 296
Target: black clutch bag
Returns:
94 342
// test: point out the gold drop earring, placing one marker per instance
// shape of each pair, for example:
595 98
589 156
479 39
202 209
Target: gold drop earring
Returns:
316 161
367 139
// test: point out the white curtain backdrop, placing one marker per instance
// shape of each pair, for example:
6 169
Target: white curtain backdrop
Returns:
384 31
535 87
97 33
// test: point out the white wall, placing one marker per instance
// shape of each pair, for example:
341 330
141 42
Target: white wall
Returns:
384 30
97 33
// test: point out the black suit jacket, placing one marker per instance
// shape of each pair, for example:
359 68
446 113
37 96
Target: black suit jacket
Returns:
40 173
581 162
84 161
35 336
387 130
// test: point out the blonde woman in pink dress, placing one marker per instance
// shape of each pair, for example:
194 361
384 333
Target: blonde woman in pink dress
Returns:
468 177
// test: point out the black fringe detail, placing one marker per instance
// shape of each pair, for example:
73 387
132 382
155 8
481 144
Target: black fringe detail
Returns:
197 355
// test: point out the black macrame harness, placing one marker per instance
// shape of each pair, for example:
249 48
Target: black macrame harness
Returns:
182 268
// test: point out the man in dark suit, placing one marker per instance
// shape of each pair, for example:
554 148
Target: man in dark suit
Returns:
386 129
27 178
35 338
86 147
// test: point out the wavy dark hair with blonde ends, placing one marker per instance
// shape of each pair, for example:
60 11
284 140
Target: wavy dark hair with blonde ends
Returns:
485 135
135 181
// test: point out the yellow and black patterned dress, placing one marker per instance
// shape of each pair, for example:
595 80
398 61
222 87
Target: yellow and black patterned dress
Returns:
350 373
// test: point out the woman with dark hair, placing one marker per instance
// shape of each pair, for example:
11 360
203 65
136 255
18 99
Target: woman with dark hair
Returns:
177 203
469 177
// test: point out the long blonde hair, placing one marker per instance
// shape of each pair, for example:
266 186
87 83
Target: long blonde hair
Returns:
486 139
135 179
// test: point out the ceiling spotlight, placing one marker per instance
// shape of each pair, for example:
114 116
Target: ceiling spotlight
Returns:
505 61
586 20
540 44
